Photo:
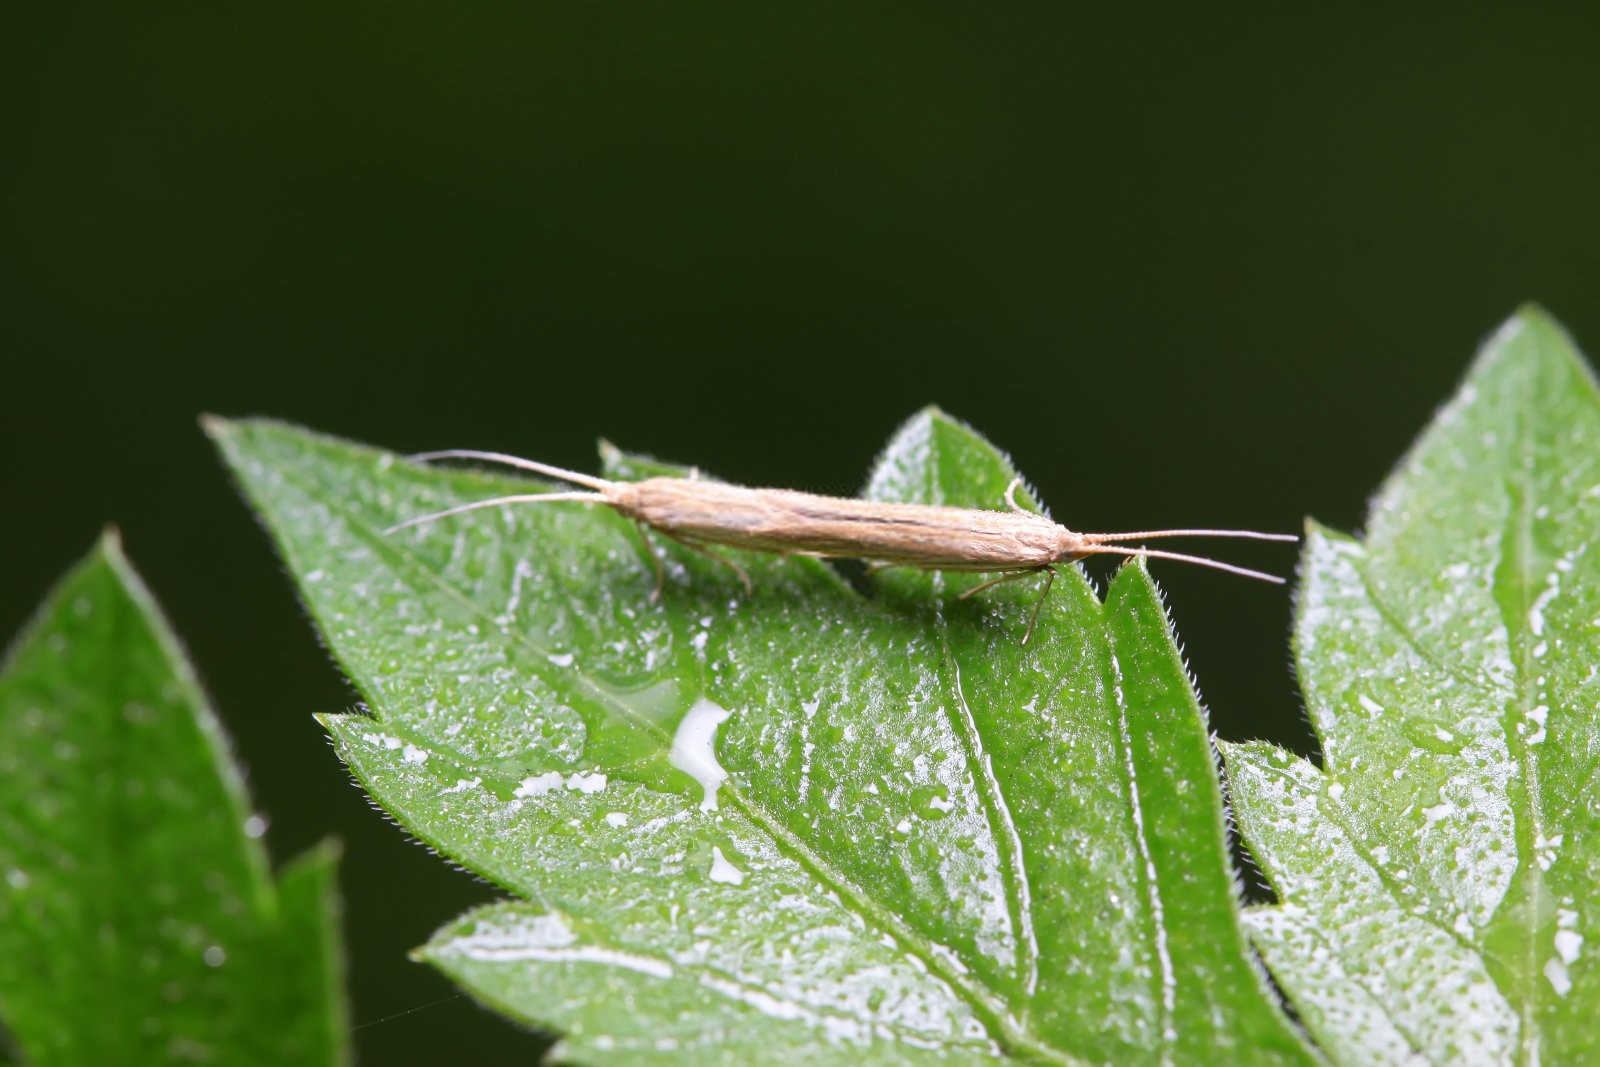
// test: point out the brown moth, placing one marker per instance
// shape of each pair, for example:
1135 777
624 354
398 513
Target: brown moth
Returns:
1013 543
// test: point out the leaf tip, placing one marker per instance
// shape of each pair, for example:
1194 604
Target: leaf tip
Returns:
319 863
1133 578
108 552
925 418
327 850
429 951
1535 314
1316 531
110 543
331 721
215 426
1534 321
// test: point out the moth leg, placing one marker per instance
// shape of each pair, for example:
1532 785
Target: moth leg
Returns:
661 573
699 547
1011 576
1049 580
1008 576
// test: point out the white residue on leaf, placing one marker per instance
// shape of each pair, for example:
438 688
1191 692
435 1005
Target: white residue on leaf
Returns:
807 746
837 1029
519 574
1538 716
540 784
1552 587
464 784
694 749
1545 850
722 870
587 782
546 939
618 819
1569 943
413 754
1556 972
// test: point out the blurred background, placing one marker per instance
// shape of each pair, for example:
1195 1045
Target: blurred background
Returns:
1188 268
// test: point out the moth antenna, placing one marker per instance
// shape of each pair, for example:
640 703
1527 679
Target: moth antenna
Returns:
1145 535
520 498
1183 557
575 477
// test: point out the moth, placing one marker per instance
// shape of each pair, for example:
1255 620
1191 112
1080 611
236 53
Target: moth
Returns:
698 513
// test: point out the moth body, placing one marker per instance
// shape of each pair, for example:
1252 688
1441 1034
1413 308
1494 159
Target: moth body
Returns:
783 520
1010 542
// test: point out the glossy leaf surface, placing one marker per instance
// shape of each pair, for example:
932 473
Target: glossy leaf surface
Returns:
1437 876
797 823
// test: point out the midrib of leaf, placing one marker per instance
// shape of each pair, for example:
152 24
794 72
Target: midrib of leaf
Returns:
1002 1024
1166 994
1529 827
1516 592
113 814
997 812
1589 772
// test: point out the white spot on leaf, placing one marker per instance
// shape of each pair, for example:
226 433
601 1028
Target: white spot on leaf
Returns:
724 871
694 749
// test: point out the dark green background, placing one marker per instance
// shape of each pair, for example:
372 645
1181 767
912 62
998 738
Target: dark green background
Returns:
1190 268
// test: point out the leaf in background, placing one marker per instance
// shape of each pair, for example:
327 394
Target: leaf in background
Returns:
1437 876
794 823
138 922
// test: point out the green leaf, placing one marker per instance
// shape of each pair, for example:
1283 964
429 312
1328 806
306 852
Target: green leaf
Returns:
796 823
1437 876
138 922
